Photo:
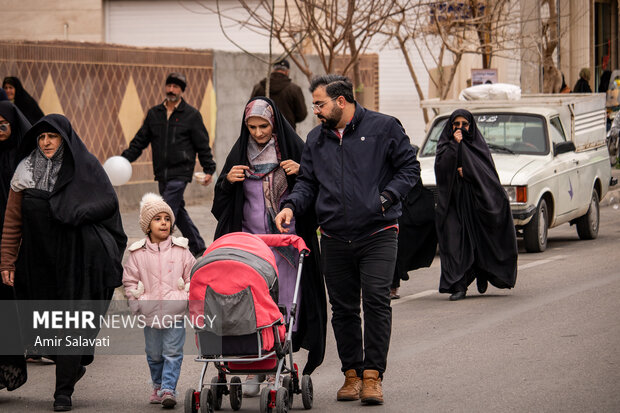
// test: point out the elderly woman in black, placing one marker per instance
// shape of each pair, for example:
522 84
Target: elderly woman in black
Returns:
13 126
62 237
476 234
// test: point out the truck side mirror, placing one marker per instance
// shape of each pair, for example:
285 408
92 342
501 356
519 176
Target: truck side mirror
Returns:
416 149
563 147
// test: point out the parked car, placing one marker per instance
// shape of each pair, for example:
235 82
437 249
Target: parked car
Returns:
550 154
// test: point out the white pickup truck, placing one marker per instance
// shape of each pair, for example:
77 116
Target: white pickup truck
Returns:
549 152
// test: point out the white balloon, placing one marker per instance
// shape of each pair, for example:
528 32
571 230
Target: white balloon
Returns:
118 170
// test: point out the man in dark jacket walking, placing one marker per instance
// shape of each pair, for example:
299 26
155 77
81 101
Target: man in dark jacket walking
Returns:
176 133
287 96
357 166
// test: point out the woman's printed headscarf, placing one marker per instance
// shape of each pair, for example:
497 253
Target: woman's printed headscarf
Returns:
37 170
261 109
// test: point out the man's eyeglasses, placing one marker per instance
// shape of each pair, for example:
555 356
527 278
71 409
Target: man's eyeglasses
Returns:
457 124
4 127
319 106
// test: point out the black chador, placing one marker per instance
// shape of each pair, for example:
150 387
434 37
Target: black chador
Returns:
473 217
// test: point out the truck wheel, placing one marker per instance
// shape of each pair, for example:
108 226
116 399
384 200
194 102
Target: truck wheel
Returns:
587 225
535 232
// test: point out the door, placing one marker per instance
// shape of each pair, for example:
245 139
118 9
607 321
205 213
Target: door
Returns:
566 172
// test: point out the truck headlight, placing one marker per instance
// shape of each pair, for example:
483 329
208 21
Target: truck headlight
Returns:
516 193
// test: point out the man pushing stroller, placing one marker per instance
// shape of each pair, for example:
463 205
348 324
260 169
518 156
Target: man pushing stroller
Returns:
357 205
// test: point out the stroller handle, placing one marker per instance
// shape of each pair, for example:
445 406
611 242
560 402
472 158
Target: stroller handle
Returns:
284 240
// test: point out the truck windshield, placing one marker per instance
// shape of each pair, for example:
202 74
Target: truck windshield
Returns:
505 133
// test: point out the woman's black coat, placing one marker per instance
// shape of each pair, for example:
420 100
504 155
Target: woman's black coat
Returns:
228 210
13 371
83 209
473 216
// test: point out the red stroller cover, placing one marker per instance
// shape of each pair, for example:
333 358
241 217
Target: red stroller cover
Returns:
232 287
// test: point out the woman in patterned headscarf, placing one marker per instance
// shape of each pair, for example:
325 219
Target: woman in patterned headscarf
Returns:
259 172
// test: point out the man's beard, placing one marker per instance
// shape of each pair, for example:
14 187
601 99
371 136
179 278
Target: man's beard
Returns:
331 121
172 97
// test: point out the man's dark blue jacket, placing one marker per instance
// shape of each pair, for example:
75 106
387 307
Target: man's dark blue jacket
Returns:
346 177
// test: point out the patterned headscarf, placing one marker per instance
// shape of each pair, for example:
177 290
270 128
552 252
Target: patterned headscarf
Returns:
261 109
37 171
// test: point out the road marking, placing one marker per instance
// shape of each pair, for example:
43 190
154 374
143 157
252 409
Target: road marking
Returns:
414 296
541 262
431 292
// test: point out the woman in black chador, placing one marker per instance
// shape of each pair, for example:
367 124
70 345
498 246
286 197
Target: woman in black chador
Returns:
17 94
62 240
260 170
13 126
476 234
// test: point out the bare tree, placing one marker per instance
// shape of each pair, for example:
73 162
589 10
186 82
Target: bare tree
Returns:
442 33
552 77
338 31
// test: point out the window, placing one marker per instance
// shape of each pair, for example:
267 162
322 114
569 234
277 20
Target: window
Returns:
557 132
503 132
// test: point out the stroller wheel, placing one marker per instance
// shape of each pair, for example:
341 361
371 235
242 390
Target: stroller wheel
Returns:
236 393
307 393
282 400
206 400
265 402
287 383
217 392
190 402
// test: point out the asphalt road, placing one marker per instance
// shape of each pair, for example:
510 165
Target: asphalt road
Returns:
550 344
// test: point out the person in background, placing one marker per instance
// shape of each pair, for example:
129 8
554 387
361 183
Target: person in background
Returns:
417 237
477 238
62 241
605 75
176 133
583 84
564 88
156 281
287 96
16 93
13 127
355 169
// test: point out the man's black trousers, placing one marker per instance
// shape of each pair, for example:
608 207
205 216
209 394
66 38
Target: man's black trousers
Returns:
367 267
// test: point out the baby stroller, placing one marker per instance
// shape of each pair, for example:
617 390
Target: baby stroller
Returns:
239 326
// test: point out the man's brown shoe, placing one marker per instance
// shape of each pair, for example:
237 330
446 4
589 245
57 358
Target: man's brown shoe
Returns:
351 388
372 393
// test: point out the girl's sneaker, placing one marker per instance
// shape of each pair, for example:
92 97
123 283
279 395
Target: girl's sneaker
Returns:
251 388
168 400
155 398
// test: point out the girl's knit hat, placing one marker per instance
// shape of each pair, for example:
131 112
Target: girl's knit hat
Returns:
151 205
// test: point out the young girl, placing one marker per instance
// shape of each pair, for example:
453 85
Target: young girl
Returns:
156 281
